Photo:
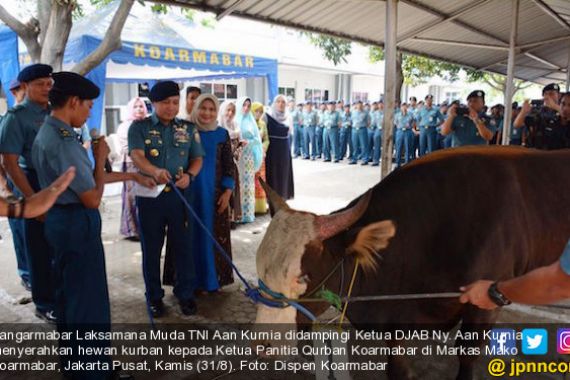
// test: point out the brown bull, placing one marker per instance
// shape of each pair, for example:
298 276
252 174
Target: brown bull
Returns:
461 215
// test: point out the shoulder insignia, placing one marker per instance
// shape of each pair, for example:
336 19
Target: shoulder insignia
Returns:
196 136
65 134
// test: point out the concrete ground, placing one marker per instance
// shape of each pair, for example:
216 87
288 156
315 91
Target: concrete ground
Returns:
319 187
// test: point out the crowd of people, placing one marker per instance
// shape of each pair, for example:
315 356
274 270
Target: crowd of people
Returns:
335 131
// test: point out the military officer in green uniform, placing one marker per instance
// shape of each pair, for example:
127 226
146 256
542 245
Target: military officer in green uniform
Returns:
168 149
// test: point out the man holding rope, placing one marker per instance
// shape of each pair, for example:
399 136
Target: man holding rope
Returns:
544 285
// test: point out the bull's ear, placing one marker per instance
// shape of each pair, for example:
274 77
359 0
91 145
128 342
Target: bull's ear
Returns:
370 240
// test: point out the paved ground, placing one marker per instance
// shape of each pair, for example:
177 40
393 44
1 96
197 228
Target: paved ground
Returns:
320 187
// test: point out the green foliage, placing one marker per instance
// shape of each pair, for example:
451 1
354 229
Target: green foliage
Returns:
334 49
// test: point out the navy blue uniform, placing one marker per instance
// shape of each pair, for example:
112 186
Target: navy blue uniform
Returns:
404 136
19 129
297 117
170 147
360 122
310 120
345 134
428 120
74 232
331 137
466 133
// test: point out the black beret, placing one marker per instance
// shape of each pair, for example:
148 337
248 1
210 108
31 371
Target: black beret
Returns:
73 84
308 102
14 84
163 90
429 96
339 102
550 87
35 71
413 98
332 103
476 94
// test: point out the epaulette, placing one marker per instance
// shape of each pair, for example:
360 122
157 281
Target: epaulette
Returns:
66 134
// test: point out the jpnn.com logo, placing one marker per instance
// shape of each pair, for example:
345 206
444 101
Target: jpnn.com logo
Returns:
534 341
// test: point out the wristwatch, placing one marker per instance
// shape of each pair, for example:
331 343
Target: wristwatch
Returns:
12 201
496 296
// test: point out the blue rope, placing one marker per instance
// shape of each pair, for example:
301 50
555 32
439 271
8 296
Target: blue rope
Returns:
253 293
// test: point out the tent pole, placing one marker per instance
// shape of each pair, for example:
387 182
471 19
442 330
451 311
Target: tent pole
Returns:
568 70
389 85
509 92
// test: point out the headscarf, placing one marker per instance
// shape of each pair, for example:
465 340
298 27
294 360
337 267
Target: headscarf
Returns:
255 106
131 109
231 125
250 132
194 115
281 117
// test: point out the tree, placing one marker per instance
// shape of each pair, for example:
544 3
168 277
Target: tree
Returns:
45 34
412 69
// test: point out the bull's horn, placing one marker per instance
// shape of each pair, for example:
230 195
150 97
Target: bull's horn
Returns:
329 225
276 203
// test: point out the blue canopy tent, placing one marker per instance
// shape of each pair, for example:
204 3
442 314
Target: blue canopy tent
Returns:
9 65
154 48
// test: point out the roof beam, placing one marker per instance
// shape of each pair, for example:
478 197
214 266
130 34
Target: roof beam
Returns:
435 12
441 20
544 42
229 10
542 60
458 43
549 11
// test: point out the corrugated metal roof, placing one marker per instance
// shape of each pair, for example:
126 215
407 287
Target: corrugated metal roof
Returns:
473 33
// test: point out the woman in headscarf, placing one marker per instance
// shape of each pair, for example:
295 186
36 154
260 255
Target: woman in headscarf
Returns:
260 197
251 158
279 165
136 110
212 189
226 119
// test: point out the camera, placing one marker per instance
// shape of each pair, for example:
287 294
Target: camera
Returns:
533 118
462 110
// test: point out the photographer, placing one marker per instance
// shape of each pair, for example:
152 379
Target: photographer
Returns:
469 125
543 121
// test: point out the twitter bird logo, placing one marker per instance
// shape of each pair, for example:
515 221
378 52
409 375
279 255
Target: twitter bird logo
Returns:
534 341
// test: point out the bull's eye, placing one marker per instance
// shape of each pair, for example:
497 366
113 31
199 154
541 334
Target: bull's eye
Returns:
303 279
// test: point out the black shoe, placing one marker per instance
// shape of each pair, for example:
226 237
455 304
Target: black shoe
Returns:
352 163
47 316
327 160
376 164
188 307
26 284
156 308
364 163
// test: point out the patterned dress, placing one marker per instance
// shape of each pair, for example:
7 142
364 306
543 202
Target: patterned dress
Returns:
260 197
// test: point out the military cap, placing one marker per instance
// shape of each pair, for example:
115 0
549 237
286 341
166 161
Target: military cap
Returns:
299 104
550 87
73 84
374 103
515 105
35 71
339 102
413 99
331 103
308 103
14 84
163 90
428 96
476 94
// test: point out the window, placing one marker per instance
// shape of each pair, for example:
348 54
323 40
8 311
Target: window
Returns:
221 91
362 96
289 92
451 96
316 95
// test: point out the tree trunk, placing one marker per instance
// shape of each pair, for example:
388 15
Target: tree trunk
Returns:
399 77
57 34
27 32
110 43
44 11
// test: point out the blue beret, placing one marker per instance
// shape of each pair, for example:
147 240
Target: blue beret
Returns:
550 87
35 71
14 84
476 94
73 84
163 90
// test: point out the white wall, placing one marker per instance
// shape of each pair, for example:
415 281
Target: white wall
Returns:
373 85
301 79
